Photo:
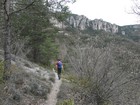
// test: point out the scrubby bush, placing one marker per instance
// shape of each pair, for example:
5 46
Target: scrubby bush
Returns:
104 71
67 102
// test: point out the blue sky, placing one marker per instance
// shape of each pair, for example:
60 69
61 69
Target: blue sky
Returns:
114 11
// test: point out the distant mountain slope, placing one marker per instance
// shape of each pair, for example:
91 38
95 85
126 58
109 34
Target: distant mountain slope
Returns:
131 32
82 23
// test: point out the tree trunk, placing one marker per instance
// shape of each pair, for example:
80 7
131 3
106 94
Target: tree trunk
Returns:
7 40
35 55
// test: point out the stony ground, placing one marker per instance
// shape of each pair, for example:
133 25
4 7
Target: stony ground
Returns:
52 97
30 84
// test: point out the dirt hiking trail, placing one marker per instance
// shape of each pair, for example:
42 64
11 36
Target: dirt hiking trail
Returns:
52 97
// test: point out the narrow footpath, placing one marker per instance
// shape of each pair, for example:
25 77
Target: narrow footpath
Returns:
52 98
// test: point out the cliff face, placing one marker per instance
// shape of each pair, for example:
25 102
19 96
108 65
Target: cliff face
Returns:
82 23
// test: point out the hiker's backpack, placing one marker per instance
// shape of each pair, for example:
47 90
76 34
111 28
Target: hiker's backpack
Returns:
59 64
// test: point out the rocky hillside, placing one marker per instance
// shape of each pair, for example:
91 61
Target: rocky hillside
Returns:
101 68
29 84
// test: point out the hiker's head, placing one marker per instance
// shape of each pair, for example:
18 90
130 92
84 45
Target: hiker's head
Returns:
58 59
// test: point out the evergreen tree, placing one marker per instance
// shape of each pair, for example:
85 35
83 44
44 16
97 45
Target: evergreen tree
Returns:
26 19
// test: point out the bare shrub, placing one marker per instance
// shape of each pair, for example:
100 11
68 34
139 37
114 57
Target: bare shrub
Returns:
24 89
104 74
19 48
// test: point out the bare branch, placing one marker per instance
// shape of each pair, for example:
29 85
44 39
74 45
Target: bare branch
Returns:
27 6
5 9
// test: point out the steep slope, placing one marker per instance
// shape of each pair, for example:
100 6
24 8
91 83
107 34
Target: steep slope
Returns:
29 84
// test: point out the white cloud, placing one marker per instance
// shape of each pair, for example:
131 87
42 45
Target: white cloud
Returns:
113 11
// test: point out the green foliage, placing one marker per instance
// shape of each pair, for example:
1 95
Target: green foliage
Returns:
131 32
71 29
1 71
135 38
71 78
33 25
63 15
44 51
83 82
48 51
67 102
92 32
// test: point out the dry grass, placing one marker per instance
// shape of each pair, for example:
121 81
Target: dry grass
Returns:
24 89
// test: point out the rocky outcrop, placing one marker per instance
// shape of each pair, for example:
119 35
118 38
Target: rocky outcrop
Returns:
82 23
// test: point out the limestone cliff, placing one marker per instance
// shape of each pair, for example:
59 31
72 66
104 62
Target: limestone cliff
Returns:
82 23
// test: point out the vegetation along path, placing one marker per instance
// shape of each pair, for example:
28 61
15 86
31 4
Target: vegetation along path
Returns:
52 98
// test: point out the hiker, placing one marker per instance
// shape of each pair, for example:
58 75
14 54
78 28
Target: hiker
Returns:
59 67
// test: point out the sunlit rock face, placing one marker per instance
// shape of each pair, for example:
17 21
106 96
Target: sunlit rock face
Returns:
82 23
